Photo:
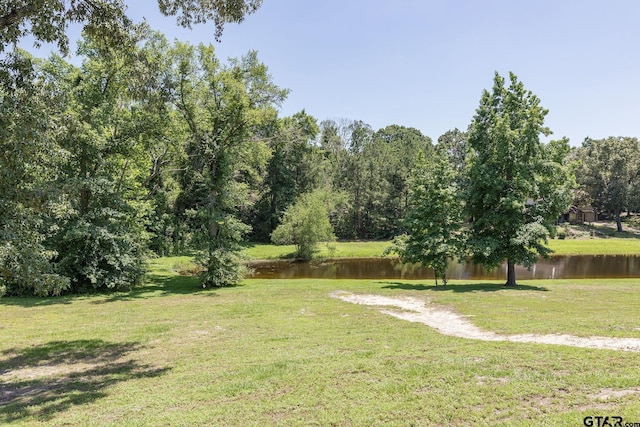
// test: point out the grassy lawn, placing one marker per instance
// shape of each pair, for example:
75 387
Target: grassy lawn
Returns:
274 352
596 246
366 249
586 246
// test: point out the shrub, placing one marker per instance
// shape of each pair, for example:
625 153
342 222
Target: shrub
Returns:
305 224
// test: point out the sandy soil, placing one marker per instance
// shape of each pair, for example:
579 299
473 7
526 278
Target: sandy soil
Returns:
455 325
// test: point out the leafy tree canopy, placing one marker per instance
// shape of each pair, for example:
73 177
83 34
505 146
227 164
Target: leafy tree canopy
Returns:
306 223
434 223
47 20
609 172
517 188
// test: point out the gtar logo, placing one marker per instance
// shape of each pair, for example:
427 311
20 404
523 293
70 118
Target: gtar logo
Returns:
601 421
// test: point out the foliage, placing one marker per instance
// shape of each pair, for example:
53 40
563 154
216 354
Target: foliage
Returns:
453 143
434 224
294 168
190 12
306 223
609 173
391 159
101 239
517 187
47 20
221 261
28 156
373 169
25 267
220 106
103 249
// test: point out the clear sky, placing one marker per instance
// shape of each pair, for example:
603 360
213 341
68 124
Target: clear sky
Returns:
424 63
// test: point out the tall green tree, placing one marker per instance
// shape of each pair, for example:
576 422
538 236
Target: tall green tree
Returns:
373 169
295 167
434 224
164 143
101 240
516 187
221 107
402 146
609 173
29 158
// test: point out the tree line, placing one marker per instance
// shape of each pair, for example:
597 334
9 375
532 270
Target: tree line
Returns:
157 147
150 147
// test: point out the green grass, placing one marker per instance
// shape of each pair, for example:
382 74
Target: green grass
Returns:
274 352
365 249
596 246
587 246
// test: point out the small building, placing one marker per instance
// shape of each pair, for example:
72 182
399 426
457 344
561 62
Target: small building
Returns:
580 215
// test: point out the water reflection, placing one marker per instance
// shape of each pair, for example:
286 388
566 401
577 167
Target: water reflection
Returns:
556 267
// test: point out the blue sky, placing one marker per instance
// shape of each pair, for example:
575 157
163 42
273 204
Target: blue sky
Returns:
424 63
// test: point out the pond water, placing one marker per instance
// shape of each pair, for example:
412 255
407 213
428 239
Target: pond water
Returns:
555 267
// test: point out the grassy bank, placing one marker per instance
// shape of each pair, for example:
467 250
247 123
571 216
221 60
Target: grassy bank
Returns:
586 246
596 246
285 353
366 249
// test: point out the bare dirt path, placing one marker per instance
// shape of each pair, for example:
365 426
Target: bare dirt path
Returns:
455 325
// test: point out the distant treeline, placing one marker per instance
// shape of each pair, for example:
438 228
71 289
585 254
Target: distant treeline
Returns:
150 147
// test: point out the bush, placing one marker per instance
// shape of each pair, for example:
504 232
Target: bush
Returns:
305 224
221 258
102 250
25 264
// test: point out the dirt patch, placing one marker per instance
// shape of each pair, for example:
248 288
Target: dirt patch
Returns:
37 372
449 323
609 393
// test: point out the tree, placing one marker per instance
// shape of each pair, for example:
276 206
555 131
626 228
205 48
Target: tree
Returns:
306 223
101 240
29 159
516 186
294 168
373 169
393 154
454 144
609 173
47 20
221 107
434 223
191 12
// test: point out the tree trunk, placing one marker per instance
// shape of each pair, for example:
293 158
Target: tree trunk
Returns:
213 198
85 192
618 222
435 275
511 273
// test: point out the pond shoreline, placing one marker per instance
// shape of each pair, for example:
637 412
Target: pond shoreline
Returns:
384 268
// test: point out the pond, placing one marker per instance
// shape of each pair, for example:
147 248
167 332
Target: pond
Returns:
555 267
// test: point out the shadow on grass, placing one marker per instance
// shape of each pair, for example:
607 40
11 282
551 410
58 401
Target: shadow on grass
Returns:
470 287
43 380
160 285
155 285
604 231
39 301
